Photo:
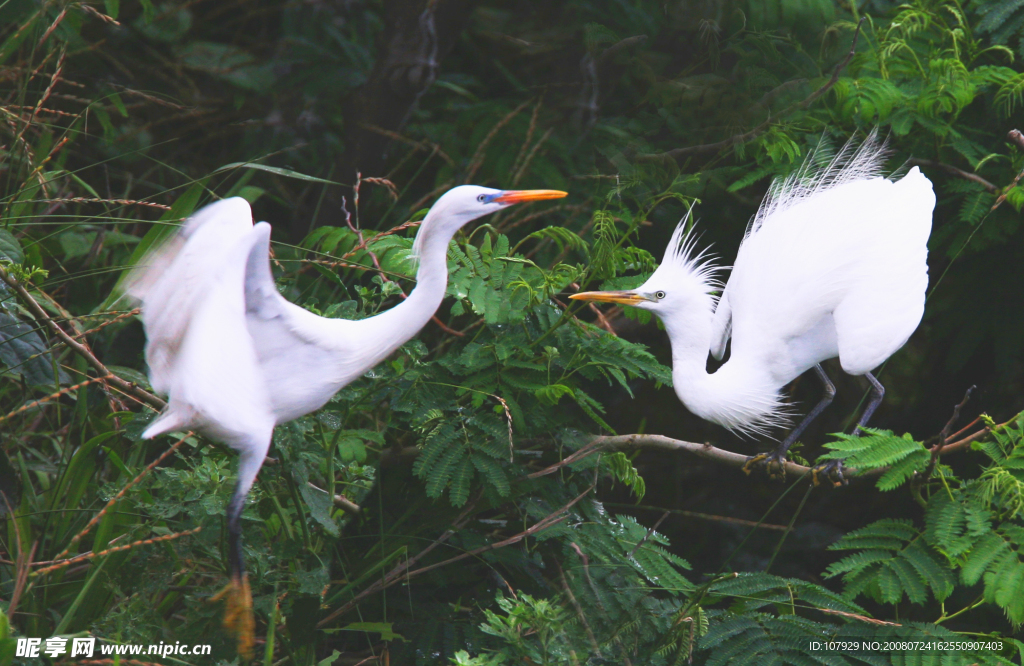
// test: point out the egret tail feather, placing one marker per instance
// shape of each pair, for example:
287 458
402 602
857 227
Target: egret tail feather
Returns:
169 421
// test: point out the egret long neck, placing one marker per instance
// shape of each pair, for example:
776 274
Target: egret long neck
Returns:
395 327
740 395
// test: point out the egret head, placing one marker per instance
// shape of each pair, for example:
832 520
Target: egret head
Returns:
465 203
682 283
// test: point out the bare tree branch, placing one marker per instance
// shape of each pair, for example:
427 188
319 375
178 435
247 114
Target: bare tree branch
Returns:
1015 136
706 451
959 173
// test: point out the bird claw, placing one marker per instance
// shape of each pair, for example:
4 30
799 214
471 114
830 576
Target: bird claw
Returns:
774 463
238 617
832 471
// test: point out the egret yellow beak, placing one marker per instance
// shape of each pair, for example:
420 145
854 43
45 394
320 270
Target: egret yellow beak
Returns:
623 297
519 196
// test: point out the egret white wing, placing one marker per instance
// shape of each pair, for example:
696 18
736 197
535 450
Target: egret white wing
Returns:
305 358
721 325
171 279
214 379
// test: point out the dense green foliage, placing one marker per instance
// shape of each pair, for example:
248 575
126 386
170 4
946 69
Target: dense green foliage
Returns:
475 520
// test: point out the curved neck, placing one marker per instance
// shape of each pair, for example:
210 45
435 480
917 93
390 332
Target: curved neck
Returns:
739 396
391 329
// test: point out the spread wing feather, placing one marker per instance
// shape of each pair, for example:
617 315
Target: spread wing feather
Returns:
172 278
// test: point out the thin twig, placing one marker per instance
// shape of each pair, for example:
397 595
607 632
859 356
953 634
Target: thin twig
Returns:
529 157
376 262
602 320
52 396
959 173
24 562
704 516
936 450
123 315
95 12
396 573
595 648
402 571
99 516
419 145
583 452
49 31
116 549
119 202
478 156
340 501
546 522
650 532
37 311
966 427
862 618
1015 136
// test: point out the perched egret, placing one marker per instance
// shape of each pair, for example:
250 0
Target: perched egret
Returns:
235 358
834 264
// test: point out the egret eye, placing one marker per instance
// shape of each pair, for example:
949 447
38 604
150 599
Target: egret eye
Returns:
482 198
659 295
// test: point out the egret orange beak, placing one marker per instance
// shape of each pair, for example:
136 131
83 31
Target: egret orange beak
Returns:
623 297
519 196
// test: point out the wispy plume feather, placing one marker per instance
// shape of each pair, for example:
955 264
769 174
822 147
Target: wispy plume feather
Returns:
851 163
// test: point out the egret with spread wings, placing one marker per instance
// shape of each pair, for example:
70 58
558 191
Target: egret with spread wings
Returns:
235 358
834 264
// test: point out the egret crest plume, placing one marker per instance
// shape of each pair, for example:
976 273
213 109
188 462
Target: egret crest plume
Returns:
684 259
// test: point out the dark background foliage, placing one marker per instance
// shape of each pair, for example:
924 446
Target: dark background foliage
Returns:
640 110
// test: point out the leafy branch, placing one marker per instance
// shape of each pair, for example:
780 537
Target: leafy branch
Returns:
79 348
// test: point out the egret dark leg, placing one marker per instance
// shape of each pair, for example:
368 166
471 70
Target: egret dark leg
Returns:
834 468
877 393
776 460
238 616
236 560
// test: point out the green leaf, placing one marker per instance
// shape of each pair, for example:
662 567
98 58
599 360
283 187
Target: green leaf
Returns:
10 248
25 353
352 448
320 506
461 477
329 660
287 173
385 629
130 375
903 470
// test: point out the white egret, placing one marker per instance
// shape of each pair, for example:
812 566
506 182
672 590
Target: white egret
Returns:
834 264
235 358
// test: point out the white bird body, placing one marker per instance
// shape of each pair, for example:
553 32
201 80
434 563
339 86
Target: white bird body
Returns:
843 274
235 358
833 265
